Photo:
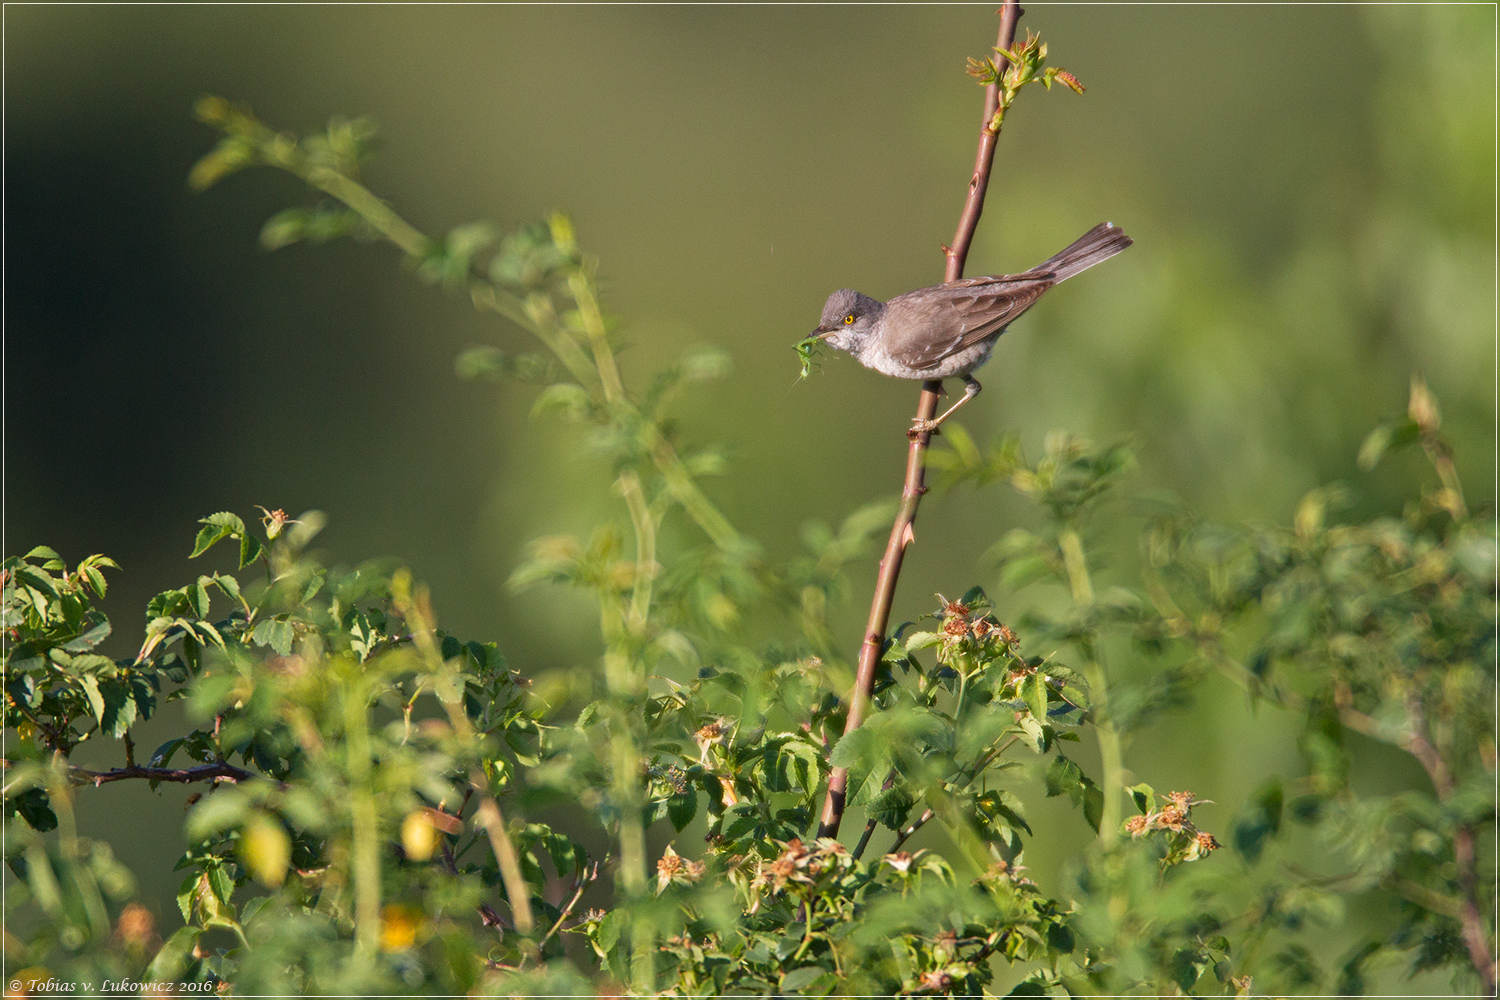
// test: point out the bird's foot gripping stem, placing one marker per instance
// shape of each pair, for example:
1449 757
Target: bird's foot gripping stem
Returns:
920 426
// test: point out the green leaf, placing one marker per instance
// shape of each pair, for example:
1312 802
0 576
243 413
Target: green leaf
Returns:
23 687
171 962
229 585
284 228
922 640
220 882
566 398
87 640
1093 804
120 707
482 362
90 685
1259 821
859 750
250 549
609 930
198 600
187 890
1187 966
682 808
35 808
1384 438
1034 693
233 153
798 979
1144 796
92 570
974 597
276 633
223 810
1064 777
162 756
217 527
892 806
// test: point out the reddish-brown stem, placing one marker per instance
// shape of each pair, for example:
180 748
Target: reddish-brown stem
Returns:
984 157
916 454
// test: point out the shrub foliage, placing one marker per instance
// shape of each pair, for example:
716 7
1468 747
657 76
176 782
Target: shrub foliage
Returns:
372 785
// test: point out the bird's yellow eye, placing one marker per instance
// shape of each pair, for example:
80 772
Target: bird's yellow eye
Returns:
849 319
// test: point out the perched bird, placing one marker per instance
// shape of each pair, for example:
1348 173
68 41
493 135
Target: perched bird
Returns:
948 330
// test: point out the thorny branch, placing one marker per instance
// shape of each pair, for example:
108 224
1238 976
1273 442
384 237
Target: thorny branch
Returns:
179 775
916 457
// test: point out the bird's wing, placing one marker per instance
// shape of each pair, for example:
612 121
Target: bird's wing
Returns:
939 322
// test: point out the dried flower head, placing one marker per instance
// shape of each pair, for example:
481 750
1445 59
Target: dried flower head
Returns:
1170 818
670 864
936 981
955 628
901 861
673 867
1136 826
275 521
953 609
708 735
830 846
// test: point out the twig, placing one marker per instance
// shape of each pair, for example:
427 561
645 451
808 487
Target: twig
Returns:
984 156
916 825
901 837
1476 941
487 815
584 880
180 775
916 456
864 839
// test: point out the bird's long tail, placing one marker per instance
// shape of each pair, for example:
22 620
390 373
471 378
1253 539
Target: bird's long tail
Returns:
1100 243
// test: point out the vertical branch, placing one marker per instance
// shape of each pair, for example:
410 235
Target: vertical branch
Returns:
1111 750
364 820
984 156
916 456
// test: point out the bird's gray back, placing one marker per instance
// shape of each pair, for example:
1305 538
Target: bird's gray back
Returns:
936 330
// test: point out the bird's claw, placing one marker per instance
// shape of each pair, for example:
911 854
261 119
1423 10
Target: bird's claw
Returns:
920 425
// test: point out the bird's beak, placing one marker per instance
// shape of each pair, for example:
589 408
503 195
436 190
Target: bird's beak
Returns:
822 332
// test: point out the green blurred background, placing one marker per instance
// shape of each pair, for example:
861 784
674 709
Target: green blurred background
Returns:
1311 191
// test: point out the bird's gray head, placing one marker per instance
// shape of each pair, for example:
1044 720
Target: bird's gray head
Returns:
848 318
